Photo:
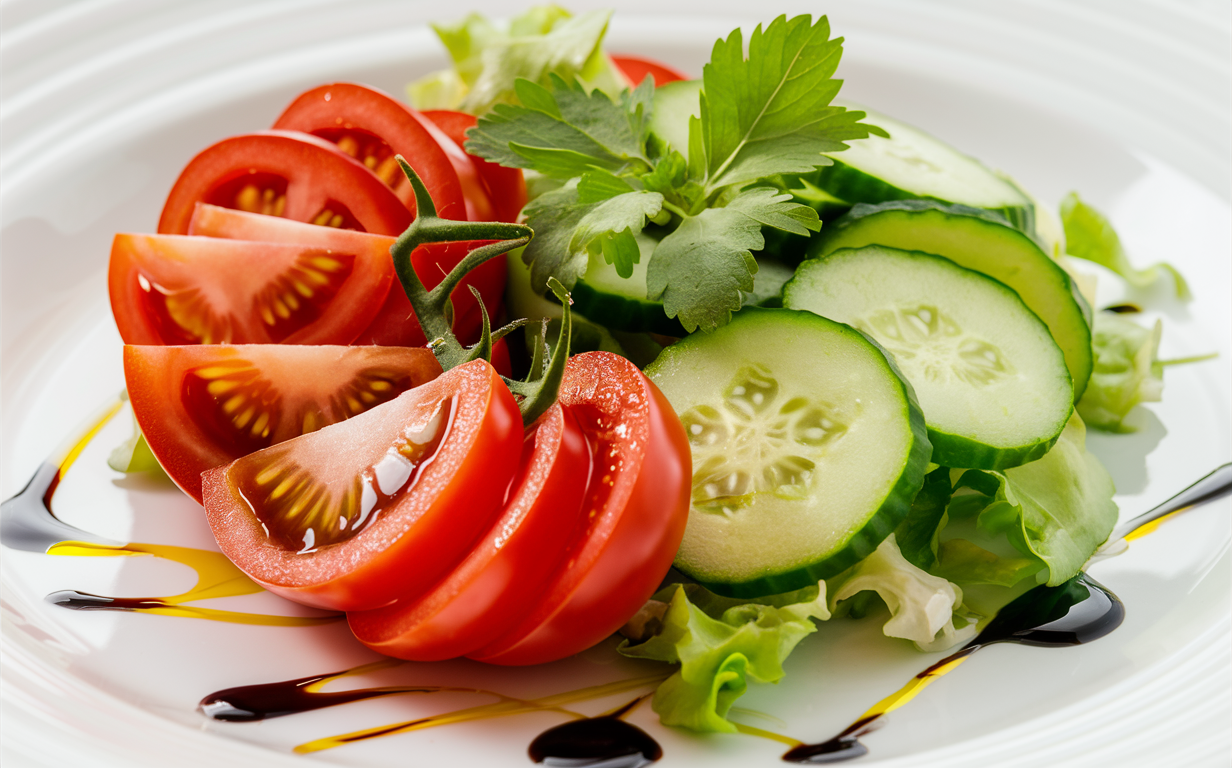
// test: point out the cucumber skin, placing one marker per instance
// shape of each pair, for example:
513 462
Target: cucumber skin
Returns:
623 313
893 509
831 240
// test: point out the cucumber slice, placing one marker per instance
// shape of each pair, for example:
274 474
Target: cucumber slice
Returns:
674 104
808 447
991 381
977 240
912 164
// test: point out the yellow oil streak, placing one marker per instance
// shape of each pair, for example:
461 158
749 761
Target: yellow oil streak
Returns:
1150 527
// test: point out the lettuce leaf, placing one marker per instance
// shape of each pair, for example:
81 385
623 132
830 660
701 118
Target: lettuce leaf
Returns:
1089 235
134 454
488 59
720 644
1127 371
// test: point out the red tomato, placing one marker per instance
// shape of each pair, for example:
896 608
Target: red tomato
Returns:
486 594
201 406
505 186
174 289
289 174
635 68
372 127
395 323
375 508
634 513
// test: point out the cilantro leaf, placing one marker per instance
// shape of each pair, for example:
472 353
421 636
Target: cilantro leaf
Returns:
554 216
608 228
771 113
566 130
701 270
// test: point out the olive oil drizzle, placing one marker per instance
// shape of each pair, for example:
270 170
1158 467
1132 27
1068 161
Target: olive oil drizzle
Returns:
28 523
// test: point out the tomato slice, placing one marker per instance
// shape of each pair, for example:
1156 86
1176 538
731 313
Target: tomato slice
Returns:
378 507
505 186
284 173
634 513
394 323
177 289
486 594
635 68
373 127
201 407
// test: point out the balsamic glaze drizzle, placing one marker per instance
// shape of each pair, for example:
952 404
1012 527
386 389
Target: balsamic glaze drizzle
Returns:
606 741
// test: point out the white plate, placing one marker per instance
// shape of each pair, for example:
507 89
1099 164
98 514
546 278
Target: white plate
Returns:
104 102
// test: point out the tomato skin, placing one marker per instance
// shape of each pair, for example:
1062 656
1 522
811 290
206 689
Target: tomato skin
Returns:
317 176
635 68
422 535
635 510
506 187
485 594
305 380
241 292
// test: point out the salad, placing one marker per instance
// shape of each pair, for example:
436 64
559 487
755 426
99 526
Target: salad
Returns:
605 230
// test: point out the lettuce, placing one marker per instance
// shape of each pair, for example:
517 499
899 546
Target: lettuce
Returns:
1127 371
488 60
720 644
1090 236
134 454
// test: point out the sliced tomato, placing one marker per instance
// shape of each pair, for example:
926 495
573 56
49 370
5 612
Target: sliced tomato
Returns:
285 173
505 186
634 513
378 507
373 127
201 407
177 289
486 594
394 323
635 68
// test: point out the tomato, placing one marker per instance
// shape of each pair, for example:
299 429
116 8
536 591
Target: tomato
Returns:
505 186
633 515
201 406
373 127
486 594
289 174
375 508
635 68
177 289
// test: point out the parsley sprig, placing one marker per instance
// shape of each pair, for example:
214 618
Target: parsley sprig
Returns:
763 114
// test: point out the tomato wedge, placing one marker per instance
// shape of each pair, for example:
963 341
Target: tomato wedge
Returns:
634 513
176 289
486 594
201 407
635 68
394 323
505 187
285 173
378 507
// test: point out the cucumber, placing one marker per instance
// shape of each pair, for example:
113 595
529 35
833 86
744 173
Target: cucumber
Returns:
674 104
912 164
977 240
808 447
991 381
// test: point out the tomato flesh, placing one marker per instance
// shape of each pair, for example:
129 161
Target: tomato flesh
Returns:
201 407
176 289
485 595
505 187
289 174
431 467
635 69
634 513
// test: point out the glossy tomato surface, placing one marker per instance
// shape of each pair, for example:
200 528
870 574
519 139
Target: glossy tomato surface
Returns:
634 513
487 593
178 289
289 174
205 406
504 186
376 508
394 323
635 68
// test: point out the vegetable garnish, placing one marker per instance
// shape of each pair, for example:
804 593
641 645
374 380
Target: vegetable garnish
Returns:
769 113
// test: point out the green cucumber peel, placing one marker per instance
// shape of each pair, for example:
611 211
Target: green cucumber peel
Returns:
434 308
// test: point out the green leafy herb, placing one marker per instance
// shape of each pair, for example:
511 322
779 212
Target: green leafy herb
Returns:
1089 235
720 644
